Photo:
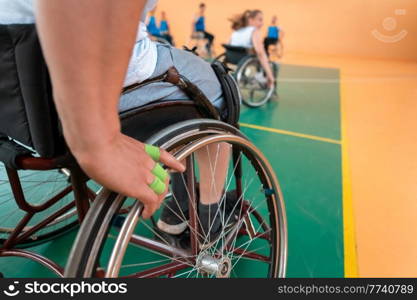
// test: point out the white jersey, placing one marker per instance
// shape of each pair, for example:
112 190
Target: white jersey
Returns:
16 12
243 37
144 55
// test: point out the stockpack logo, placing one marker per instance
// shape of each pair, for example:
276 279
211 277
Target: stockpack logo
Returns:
12 290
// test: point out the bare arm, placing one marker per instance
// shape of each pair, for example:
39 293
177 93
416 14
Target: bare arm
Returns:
87 46
87 80
262 56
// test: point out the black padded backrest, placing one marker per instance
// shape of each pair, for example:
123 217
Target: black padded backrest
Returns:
27 112
235 54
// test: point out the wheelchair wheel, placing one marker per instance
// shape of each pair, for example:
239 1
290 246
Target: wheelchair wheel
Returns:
253 82
253 239
38 187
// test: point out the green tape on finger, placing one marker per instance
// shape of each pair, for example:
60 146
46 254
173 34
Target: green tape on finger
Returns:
153 152
157 186
160 172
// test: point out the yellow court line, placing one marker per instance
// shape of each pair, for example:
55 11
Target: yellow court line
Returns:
291 133
349 237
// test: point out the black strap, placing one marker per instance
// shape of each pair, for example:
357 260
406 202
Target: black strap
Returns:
135 86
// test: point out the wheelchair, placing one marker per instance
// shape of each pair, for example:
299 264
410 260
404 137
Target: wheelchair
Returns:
44 193
199 43
249 75
160 39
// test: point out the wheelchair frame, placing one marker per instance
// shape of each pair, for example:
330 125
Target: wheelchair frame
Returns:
78 186
200 44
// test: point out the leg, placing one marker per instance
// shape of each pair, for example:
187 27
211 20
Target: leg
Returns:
210 39
191 66
213 162
268 42
266 45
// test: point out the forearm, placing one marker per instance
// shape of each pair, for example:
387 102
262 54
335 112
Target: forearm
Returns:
261 53
87 46
263 58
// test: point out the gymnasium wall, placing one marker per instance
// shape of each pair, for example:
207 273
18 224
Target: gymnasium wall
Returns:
384 29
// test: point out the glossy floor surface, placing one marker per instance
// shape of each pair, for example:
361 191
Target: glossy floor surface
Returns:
379 105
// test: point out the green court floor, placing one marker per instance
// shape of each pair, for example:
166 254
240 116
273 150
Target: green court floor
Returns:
309 170
300 135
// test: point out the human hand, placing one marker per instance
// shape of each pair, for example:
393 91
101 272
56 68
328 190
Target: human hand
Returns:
125 167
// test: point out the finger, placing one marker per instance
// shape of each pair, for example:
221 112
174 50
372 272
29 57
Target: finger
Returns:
150 209
149 199
171 162
158 186
147 212
160 172
162 197
153 152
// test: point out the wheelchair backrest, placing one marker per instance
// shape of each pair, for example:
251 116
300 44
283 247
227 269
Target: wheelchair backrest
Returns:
27 112
235 54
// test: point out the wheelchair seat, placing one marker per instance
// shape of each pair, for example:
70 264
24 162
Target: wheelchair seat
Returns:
235 54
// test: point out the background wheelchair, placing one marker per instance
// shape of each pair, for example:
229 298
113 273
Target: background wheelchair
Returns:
249 75
200 43
160 40
113 240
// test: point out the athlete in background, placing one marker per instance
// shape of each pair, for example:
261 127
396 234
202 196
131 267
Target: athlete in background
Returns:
199 25
164 29
274 38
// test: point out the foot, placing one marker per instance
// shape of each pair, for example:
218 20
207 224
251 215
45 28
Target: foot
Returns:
174 216
173 222
214 220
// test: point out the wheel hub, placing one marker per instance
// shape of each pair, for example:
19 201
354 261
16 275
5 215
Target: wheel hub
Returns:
219 267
